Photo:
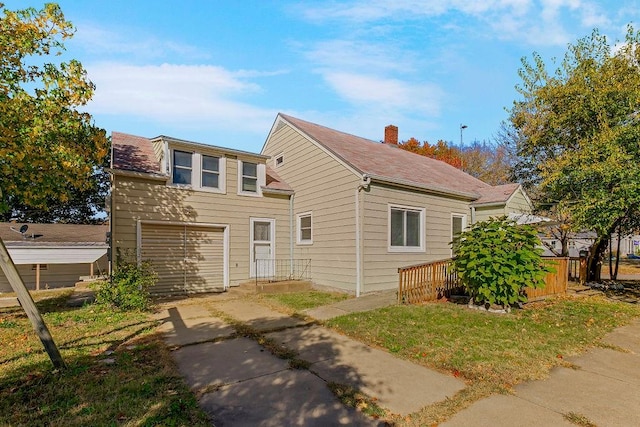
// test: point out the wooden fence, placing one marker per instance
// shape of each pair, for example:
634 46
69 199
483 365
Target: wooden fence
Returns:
433 280
426 282
556 282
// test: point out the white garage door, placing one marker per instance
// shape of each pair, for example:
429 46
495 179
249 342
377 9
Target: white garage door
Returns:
186 258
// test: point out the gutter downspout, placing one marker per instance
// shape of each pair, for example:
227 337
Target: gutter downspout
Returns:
291 232
366 180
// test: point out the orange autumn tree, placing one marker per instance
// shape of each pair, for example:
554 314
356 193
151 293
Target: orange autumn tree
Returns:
440 151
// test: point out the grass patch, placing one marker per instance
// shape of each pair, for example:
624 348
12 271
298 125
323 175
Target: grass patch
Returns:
299 301
578 419
350 396
119 371
490 352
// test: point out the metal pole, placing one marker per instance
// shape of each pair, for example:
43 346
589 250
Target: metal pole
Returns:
462 127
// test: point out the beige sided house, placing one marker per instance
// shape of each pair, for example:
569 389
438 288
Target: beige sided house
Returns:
200 214
363 208
206 217
54 255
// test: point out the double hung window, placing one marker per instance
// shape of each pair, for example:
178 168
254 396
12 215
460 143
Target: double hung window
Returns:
406 229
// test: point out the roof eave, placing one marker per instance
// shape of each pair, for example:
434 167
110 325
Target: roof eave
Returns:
277 191
428 188
137 174
223 150
488 204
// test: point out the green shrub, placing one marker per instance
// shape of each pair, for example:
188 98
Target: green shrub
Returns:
128 288
497 259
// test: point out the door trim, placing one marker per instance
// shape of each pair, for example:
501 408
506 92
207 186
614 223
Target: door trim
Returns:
272 242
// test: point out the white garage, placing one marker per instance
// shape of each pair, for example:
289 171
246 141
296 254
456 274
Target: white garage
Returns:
187 257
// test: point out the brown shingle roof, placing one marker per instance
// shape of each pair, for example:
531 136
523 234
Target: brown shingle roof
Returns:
64 234
496 194
390 162
133 153
274 182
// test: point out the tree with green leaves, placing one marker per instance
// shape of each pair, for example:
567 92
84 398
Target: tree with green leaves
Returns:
48 147
578 133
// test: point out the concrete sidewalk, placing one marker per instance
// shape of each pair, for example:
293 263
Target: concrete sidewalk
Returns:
239 382
604 389
354 305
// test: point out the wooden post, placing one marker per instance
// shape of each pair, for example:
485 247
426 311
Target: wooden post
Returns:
17 284
37 277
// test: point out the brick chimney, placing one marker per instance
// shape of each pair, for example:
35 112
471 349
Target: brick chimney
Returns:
391 135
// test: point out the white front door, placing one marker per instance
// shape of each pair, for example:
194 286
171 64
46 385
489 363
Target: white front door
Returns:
262 247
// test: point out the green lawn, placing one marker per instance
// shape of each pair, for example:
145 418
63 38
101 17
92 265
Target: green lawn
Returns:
136 384
491 352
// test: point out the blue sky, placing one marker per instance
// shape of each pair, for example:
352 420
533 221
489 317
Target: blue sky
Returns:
219 71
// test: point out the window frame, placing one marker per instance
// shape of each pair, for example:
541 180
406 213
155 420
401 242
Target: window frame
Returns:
421 223
259 178
218 173
278 160
299 217
174 166
197 171
463 217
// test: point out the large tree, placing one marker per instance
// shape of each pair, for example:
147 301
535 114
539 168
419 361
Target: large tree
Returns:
48 147
578 133
487 162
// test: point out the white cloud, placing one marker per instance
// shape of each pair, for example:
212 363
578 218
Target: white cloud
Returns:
178 94
360 55
536 22
386 94
97 40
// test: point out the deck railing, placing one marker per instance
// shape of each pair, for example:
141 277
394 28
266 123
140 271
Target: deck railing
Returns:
433 280
278 270
426 282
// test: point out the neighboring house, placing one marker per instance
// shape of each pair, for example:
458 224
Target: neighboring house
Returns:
201 215
577 242
54 255
356 208
365 208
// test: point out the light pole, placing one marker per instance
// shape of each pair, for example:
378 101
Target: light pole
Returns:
462 127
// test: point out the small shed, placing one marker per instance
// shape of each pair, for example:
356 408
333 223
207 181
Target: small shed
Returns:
54 255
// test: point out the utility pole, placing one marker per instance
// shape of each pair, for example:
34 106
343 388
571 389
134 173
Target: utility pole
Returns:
462 127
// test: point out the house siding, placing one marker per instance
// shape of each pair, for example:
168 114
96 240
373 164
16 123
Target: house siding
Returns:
518 203
380 265
147 200
326 188
55 276
485 213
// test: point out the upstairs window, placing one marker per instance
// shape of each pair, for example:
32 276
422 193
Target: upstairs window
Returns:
210 171
279 160
249 177
406 229
182 167
305 230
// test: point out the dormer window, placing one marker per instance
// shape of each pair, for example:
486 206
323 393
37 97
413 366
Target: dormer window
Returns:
210 171
182 167
249 177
